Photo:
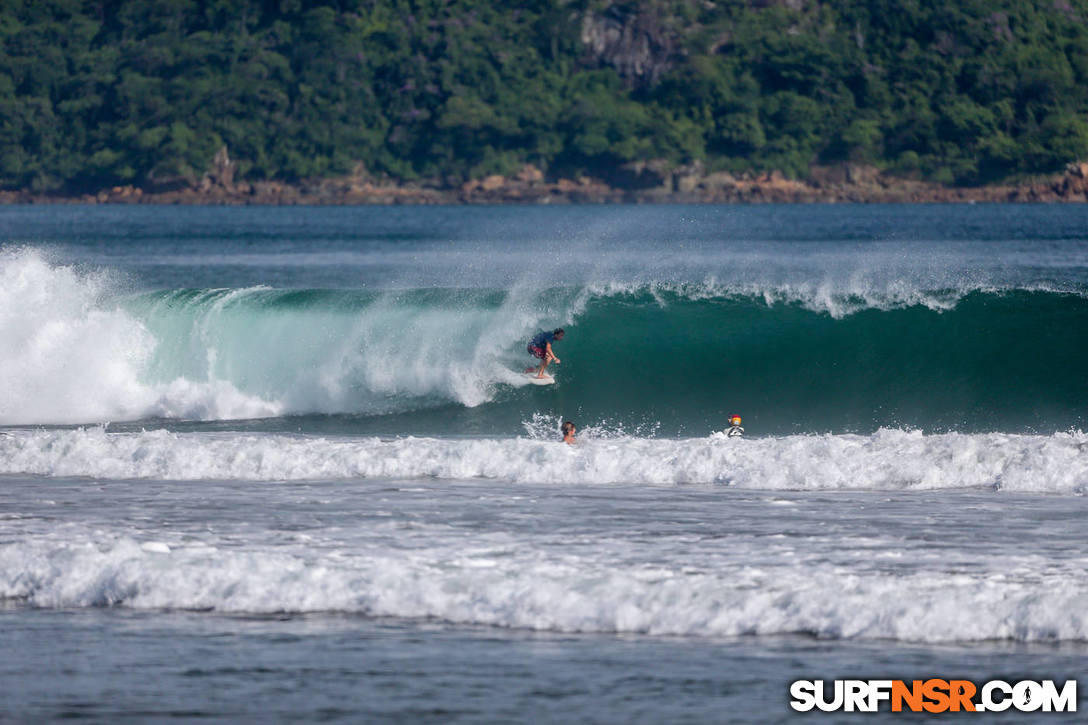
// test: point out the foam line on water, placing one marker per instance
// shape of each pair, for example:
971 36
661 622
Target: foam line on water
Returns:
508 582
888 460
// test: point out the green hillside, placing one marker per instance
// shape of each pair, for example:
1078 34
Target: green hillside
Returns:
94 94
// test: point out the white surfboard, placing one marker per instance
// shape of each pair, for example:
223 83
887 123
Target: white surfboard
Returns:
546 380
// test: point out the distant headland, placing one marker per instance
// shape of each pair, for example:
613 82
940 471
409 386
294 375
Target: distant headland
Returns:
548 101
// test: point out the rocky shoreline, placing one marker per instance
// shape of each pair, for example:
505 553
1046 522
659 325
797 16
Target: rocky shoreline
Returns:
641 182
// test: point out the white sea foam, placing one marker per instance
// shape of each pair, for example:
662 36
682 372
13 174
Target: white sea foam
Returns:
887 460
838 298
76 350
71 354
756 588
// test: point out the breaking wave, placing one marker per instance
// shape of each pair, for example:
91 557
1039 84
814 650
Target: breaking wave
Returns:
792 358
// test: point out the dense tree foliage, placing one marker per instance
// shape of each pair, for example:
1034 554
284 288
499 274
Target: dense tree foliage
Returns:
109 92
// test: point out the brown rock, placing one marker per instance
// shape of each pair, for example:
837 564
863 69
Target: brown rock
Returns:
687 184
862 174
359 172
1078 169
223 168
530 174
686 179
640 175
494 182
825 176
719 180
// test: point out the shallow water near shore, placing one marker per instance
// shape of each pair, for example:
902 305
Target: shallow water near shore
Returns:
414 600
277 465
169 666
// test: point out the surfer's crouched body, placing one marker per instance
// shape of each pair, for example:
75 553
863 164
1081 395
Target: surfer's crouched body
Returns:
541 347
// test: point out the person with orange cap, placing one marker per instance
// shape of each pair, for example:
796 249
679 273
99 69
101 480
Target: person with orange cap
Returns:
734 426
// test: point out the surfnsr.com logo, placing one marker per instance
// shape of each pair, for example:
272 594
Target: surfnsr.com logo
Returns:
934 695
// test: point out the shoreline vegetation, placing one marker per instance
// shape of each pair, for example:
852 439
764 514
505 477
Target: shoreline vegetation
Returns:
653 183
542 101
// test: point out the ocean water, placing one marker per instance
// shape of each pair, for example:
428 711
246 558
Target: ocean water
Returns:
281 464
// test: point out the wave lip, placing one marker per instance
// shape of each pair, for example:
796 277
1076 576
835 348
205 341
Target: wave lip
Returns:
888 460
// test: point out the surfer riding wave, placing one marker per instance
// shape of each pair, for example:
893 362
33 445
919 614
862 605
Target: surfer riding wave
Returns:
541 347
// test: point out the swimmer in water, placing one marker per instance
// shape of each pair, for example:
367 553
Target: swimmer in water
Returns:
734 427
568 432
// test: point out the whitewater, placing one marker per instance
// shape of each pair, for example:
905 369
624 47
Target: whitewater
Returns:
291 452
890 460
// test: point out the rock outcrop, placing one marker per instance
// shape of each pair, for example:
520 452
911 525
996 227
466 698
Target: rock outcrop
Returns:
637 182
221 174
637 42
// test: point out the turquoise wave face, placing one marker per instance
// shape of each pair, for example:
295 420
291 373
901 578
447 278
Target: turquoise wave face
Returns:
1010 361
394 321
670 360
